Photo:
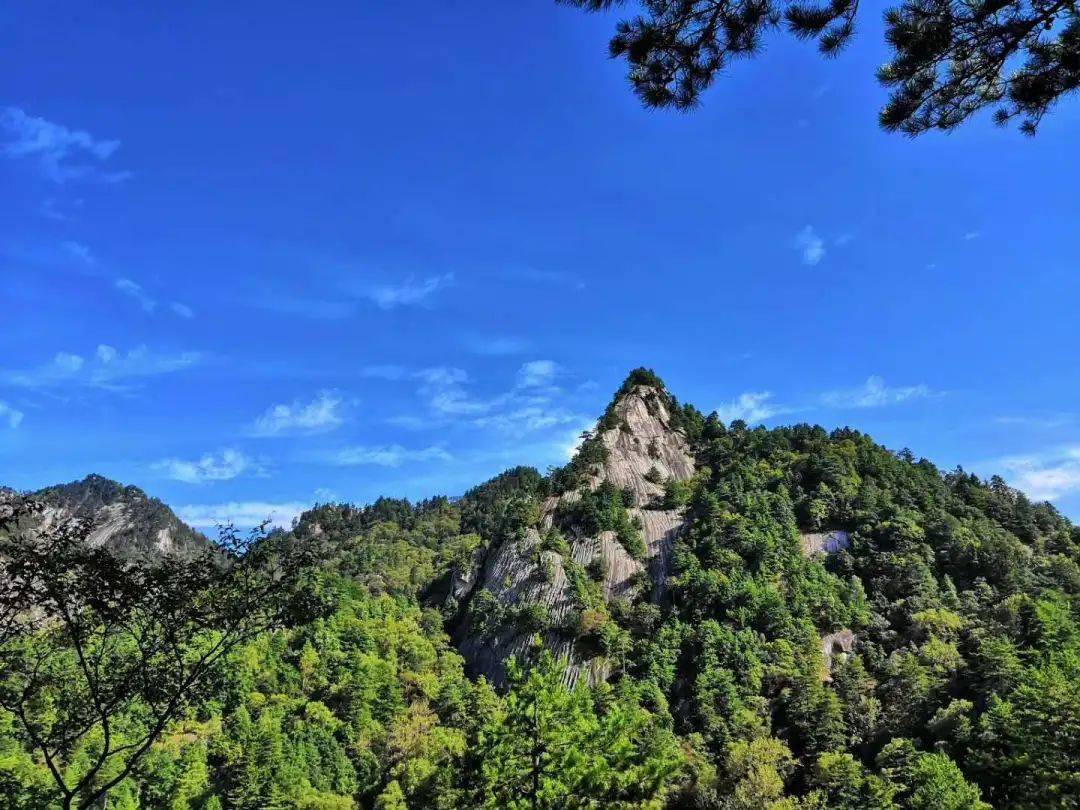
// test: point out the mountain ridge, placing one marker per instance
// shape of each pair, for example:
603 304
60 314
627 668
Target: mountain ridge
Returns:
794 617
122 517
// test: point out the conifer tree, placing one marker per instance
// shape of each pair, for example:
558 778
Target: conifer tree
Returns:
949 58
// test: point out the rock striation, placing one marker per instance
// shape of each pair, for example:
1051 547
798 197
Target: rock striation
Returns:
121 517
642 450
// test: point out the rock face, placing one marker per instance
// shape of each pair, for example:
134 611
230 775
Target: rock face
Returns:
836 647
121 517
825 542
642 450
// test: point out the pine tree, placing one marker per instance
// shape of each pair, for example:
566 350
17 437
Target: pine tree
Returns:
950 58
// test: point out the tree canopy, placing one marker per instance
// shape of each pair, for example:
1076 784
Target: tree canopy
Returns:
949 58
931 661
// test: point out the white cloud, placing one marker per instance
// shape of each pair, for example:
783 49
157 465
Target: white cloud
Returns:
62 154
108 369
527 419
135 291
222 466
967 237
408 293
1043 421
1045 476
183 310
80 252
530 404
66 363
321 414
537 373
389 456
442 387
751 407
8 414
810 246
241 513
875 394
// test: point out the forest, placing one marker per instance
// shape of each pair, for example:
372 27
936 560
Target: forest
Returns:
950 676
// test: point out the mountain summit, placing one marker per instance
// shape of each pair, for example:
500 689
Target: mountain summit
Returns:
604 533
122 517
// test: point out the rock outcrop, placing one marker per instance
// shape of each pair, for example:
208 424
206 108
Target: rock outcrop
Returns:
642 450
825 542
836 647
121 517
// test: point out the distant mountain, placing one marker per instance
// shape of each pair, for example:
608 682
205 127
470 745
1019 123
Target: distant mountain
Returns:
123 517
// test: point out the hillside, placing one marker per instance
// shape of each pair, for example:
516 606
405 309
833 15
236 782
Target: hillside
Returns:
121 517
714 616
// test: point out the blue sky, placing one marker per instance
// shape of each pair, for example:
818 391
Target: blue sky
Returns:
257 255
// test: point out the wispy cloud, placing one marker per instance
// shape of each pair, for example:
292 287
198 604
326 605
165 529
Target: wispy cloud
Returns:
222 466
751 407
967 237
874 393
62 154
9 416
108 368
136 292
389 456
810 246
537 373
147 302
241 513
411 292
1044 476
1038 421
531 403
443 388
50 209
80 252
528 418
322 414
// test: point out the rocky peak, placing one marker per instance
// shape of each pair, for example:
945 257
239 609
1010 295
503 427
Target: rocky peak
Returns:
644 448
122 517
637 448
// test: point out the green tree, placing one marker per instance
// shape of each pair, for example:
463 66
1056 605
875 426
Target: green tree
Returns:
99 654
950 58
553 746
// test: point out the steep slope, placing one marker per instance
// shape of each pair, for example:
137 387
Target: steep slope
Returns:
610 525
122 517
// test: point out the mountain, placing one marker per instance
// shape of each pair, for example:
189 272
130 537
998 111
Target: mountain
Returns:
610 515
688 614
122 517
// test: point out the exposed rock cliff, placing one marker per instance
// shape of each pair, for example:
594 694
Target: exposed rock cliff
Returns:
122 517
534 582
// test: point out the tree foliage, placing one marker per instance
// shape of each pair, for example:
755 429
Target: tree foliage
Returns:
949 58
932 662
